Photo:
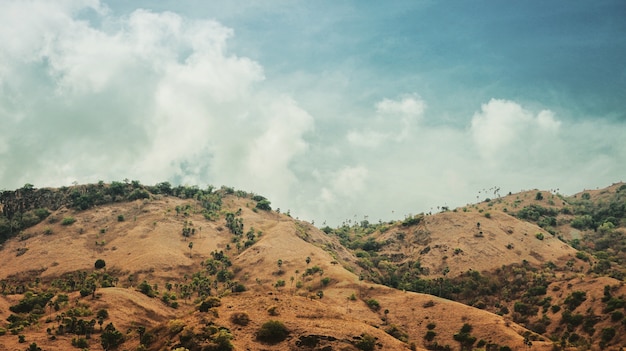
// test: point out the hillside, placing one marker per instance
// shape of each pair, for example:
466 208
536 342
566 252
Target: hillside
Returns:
205 269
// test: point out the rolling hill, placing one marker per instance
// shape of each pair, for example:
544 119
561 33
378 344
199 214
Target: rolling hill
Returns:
134 267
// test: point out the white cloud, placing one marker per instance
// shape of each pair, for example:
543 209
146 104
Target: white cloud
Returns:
502 126
88 95
393 122
151 96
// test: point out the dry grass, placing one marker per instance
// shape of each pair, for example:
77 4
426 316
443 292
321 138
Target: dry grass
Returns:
149 246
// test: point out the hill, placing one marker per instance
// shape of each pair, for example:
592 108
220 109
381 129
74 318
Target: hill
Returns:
206 269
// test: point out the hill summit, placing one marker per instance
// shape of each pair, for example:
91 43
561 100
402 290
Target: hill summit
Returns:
135 267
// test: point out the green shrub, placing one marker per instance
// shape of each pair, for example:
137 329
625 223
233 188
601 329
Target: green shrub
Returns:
366 342
99 264
373 304
68 221
264 205
272 331
539 236
209 303
80 343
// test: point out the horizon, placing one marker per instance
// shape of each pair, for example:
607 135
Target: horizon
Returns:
329 110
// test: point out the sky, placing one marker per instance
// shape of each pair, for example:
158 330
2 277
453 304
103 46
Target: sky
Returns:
335 111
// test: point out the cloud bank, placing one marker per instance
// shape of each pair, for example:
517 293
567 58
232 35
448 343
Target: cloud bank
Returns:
88 95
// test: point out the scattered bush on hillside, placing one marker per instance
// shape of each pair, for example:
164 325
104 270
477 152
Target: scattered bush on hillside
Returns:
412 220
373 304
272 331
397 333
464 337
175 326
111 337
147 289
68 221
209 303
430 335
574 299
30 301
99 264
366 342
240 318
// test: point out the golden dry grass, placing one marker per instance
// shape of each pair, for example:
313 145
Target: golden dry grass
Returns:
149 246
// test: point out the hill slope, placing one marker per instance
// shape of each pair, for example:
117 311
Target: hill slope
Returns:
205 269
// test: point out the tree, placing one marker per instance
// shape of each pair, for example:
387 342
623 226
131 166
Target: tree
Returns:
99 264
280 264
190 247
111 337
308 260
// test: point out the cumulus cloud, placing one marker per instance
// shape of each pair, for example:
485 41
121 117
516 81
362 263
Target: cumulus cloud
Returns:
501 125
151 96
393 122
86 95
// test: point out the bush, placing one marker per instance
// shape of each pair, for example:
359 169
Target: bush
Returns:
68 221
373 304
99 264
430 335
240 318
539 236
264 205
272 331
175 326
120 218
209 303
80 343
366 342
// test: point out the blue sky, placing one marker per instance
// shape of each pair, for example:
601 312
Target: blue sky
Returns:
330 109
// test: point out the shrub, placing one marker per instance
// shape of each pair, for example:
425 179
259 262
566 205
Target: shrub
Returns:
208 303
272 331
366 342
264 205
539 236
68 221
617 316
240 318
99 264
430 335
412 220
120 218
175 326
397 333
373 304
607 334
80 343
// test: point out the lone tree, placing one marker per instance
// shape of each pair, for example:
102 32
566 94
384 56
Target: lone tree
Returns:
190 247
99 263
